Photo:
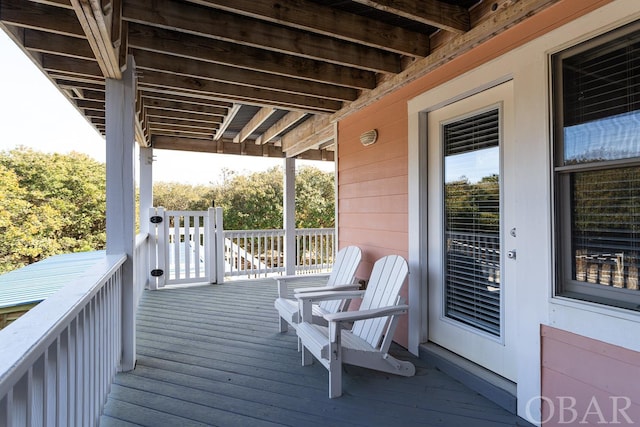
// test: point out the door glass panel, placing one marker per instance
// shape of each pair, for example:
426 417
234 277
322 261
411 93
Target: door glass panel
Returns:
472 221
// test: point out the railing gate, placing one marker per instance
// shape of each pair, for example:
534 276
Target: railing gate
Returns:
183 247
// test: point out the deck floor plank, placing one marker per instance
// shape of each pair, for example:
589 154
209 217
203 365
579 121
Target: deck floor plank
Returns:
211 355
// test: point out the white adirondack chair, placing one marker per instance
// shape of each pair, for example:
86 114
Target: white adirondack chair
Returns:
341 278
367 343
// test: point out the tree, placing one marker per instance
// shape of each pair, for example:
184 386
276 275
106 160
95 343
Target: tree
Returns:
176 196
252 201
315 198
49 204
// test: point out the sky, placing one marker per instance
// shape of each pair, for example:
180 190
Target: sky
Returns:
35 114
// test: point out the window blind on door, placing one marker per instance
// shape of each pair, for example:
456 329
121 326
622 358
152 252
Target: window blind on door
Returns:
472 221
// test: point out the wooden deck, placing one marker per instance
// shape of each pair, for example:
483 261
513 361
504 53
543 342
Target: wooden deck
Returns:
212 356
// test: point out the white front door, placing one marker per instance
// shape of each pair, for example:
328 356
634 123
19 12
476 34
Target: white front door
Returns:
470 229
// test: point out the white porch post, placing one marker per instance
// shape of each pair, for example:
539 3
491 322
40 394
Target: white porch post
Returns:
120 125
146 187
289 212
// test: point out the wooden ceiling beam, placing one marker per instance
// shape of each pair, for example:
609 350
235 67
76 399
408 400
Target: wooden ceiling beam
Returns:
320 155
163 104
181 125
500 21
52 19
78 84
60 75
58 44
237 76
182 115
97 28
207 22
310 134
71 66
283 125
150 93
90 112
221 52
233 111
57 3
430 12
317 18
94 105
187 85
222 146
256 121
93 95
172 131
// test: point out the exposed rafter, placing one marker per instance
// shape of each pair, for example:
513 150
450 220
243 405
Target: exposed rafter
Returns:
98 32
307 15
233 111
238 76
256 121
193 19
439 14
144 37
200 87
289 121
273 75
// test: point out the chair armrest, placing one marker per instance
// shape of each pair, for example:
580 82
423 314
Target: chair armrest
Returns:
305 300
302 276
353 287
328 295
350 316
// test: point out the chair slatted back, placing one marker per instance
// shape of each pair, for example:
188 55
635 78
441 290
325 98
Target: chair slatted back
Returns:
387 277
343 273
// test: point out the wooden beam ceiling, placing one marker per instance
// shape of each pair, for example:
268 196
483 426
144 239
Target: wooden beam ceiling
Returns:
318 19
449 17
201 87
144 37
255 77
170 64
216 24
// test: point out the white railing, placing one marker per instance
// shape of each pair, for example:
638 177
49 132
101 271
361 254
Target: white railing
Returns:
193 247
314 250
141 266
260 253
57 361
253 253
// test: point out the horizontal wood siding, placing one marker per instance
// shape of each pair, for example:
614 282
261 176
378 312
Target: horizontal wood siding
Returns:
591 373
372 181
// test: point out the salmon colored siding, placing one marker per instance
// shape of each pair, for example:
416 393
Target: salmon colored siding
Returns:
372 181
588 380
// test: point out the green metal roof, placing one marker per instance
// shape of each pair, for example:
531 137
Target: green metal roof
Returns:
37 281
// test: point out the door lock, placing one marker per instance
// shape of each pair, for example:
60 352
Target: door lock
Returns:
511 254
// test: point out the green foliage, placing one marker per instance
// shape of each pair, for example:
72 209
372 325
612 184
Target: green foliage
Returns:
315 198
175 196
254 201
55 203
49 204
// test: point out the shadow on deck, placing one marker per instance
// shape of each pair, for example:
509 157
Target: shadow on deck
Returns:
211 355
